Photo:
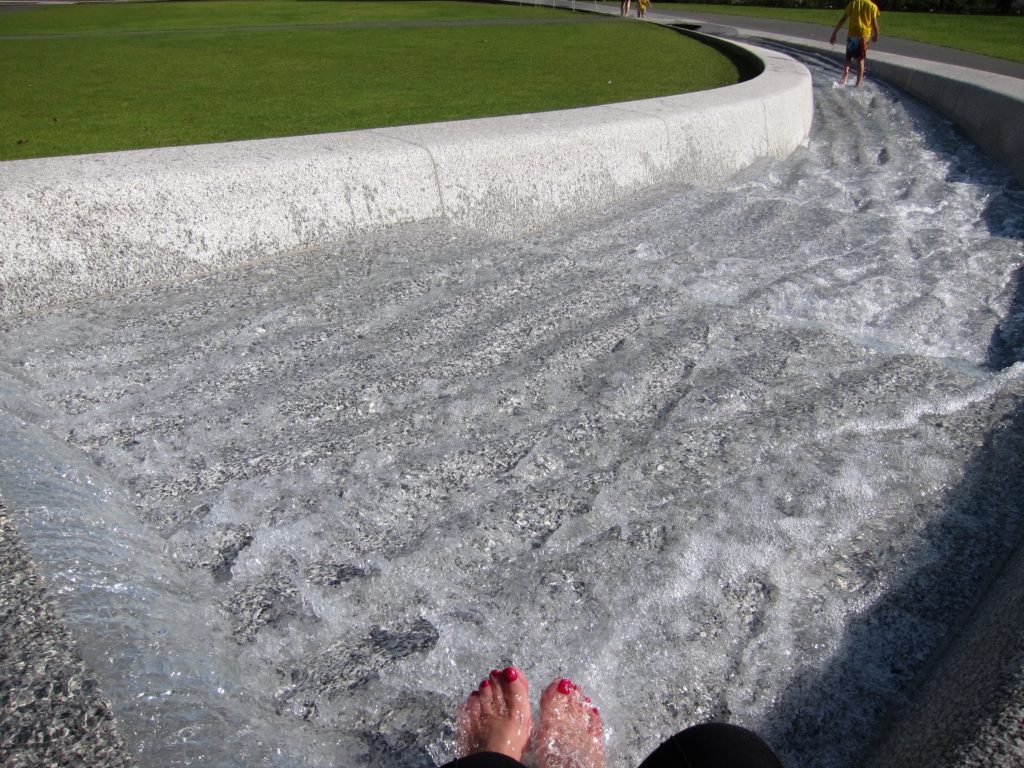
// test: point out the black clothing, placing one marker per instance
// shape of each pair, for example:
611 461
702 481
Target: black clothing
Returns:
712 745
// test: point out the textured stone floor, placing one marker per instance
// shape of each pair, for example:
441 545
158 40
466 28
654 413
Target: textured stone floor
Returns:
52 711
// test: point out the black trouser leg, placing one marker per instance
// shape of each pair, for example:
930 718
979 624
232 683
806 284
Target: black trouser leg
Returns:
713 745
485 760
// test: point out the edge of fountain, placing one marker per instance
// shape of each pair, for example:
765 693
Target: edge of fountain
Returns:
79 227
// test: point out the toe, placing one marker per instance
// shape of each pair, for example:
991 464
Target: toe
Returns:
467 724
595 727
515 691
551 692
556 697
490 704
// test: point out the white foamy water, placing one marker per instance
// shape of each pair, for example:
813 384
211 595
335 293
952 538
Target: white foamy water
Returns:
727 454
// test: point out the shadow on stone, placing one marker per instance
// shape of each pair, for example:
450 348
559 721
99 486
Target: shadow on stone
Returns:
896 649
1007 344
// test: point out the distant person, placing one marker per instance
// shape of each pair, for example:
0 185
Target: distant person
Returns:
641 8
863 16
494 729
624 8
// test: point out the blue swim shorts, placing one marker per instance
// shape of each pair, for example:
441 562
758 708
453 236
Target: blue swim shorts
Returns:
856 48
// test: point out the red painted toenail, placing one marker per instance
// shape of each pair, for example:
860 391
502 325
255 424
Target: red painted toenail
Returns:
511 674
474 693
495 673
485 684
594 710
565 686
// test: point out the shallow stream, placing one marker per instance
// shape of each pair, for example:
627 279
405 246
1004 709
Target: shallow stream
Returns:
745 453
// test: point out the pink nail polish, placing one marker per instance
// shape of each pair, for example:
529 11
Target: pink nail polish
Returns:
511 674
565 686
594 710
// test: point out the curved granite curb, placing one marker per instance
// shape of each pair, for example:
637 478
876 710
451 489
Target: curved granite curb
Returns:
989 108
77 227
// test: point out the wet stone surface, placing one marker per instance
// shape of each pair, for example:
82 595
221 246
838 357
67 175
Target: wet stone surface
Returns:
52 711
744 454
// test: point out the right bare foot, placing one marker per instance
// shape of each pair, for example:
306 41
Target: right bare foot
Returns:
496 716
569 734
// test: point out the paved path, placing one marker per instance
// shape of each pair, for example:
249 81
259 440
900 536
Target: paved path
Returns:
725 25
746 26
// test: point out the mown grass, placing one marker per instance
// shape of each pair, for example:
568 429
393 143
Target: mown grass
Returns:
211 14
92 78
998 36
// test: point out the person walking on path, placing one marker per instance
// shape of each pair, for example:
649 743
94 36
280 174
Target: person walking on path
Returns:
495 729
624 8
863 16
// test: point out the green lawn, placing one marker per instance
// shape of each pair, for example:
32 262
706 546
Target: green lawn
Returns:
90 78
998 36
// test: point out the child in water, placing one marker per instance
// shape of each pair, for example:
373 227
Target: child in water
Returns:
863 16
495 729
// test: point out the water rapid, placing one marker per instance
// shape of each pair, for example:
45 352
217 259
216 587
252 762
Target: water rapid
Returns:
731 453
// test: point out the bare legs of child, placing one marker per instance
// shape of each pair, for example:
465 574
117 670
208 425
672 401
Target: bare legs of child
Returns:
860 72
494 729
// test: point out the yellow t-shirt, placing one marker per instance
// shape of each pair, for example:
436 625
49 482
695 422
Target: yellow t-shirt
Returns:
861 13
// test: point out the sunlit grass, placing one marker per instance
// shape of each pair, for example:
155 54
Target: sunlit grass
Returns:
95 78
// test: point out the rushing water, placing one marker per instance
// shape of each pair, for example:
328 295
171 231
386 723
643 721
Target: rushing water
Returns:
733 453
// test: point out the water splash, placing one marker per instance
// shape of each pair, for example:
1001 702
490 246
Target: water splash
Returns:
673 451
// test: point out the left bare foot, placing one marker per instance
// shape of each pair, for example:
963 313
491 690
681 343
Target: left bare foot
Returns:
496 717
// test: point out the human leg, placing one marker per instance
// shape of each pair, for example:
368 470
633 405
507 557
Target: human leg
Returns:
854 50
713 745
485 760
862 62
495 718
569 734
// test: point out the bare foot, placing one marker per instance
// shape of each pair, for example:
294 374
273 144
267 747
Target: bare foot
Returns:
496 717
569 734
